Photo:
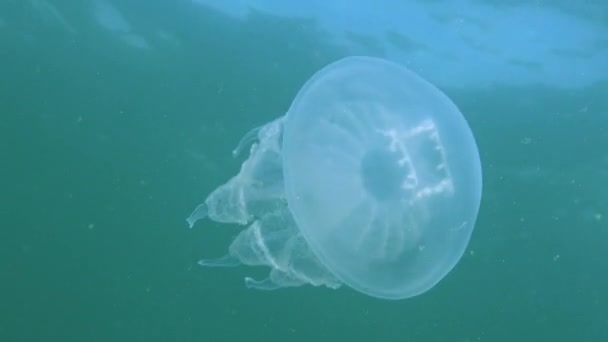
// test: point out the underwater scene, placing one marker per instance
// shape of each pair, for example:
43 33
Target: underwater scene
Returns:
271 170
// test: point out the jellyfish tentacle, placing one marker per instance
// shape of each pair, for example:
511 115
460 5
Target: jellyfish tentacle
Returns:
225 261
199 213
265 284
249 138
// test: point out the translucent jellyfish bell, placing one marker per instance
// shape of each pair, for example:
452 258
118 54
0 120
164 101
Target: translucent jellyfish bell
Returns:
372 180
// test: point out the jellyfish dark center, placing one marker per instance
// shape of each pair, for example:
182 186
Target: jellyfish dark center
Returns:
382 175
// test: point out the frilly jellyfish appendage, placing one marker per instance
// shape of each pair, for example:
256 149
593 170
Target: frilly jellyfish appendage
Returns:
255 197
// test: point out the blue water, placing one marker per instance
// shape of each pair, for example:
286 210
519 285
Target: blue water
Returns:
118 117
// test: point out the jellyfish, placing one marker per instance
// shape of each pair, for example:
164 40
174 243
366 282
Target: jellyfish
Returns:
371 180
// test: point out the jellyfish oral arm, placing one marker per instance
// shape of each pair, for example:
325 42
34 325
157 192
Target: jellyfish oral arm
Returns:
199 213
250 138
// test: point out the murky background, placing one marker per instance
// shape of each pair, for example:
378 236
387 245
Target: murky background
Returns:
118 117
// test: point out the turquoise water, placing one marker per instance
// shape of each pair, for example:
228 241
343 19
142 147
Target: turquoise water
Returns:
110 136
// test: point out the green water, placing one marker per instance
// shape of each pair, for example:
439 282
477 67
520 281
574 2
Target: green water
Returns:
105 152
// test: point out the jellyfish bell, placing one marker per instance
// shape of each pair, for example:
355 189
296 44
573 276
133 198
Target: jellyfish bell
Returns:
372 179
